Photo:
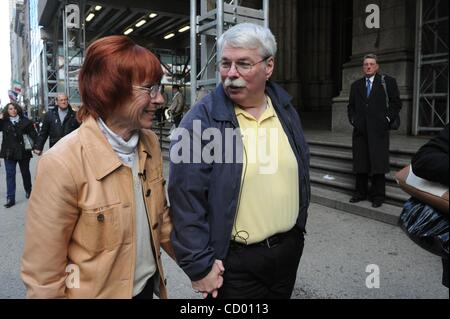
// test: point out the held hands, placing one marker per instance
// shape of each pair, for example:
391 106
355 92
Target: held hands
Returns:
37 152
212 282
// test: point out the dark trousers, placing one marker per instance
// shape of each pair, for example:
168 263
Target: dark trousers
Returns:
10 166
257 271
147 292
177 119
445 271
377 191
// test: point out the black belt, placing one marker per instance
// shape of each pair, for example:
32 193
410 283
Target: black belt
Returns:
269 242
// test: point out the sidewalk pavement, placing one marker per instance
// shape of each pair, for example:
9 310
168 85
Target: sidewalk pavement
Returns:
338 248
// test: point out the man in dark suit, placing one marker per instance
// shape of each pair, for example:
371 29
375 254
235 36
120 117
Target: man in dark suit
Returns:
371 118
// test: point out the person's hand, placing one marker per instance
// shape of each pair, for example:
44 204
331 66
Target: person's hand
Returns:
212 282
1 116
37 152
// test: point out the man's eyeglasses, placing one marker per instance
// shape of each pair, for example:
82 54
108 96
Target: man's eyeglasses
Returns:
241 66
152 90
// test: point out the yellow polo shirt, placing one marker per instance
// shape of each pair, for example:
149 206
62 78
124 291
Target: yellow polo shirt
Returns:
269 199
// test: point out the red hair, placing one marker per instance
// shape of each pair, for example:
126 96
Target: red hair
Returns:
111 67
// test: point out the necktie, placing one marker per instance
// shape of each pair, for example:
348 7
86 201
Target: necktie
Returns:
369 87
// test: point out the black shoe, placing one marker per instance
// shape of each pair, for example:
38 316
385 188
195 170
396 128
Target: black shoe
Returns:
377 204
9 203
356 199
27 194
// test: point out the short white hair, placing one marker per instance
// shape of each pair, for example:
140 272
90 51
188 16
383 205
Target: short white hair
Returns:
248 36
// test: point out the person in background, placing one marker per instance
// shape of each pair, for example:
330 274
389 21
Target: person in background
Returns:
160 111
371 117
16 130
177 105
431 163
57 123
99 202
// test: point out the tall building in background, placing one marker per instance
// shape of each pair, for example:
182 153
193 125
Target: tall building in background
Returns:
18 60
34 48
26 48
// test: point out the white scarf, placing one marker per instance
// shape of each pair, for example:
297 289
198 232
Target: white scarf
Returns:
14 119
126 151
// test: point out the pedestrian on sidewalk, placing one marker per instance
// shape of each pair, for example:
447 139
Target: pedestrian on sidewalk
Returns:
239 220
99 205
18 132
57 123
373 108
176 107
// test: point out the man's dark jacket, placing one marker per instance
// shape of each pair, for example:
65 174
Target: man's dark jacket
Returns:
52 126
204 197
369 117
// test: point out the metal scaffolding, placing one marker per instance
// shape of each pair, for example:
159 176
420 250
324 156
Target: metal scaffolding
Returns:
209 26
431 89
61 61
50 73
73 47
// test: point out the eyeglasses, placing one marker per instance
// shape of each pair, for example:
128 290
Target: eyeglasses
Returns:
152 90
241 67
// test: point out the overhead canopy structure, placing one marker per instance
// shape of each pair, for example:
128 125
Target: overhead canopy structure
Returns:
158 18
69 26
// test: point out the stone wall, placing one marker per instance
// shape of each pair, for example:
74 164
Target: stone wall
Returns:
394 44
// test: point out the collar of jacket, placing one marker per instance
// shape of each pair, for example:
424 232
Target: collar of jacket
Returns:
276 93
69 108
376 79
362 85
99 153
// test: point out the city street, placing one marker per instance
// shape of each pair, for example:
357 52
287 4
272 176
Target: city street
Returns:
338 248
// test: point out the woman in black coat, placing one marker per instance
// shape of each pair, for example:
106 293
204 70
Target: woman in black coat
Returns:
14 127
431 163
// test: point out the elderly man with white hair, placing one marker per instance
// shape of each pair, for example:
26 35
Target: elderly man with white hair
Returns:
239 224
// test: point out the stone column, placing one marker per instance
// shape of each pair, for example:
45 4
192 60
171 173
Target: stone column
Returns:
316 49
394 44
283 22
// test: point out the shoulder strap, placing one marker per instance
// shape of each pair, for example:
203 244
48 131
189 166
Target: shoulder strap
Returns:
383 83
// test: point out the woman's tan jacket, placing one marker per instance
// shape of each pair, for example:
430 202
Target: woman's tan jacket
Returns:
80 231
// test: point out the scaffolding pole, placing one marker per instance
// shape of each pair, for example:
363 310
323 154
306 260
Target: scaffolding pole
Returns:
73 49
431 90
210 25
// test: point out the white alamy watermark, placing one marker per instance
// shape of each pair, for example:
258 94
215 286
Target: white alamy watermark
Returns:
373 19
73 277
373 280
212 146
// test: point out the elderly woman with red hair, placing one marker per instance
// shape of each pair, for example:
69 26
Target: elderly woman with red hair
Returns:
98 215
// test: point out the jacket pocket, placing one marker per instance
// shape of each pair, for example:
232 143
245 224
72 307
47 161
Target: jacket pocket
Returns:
100 228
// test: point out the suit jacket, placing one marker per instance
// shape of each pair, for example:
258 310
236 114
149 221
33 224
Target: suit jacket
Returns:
370 118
